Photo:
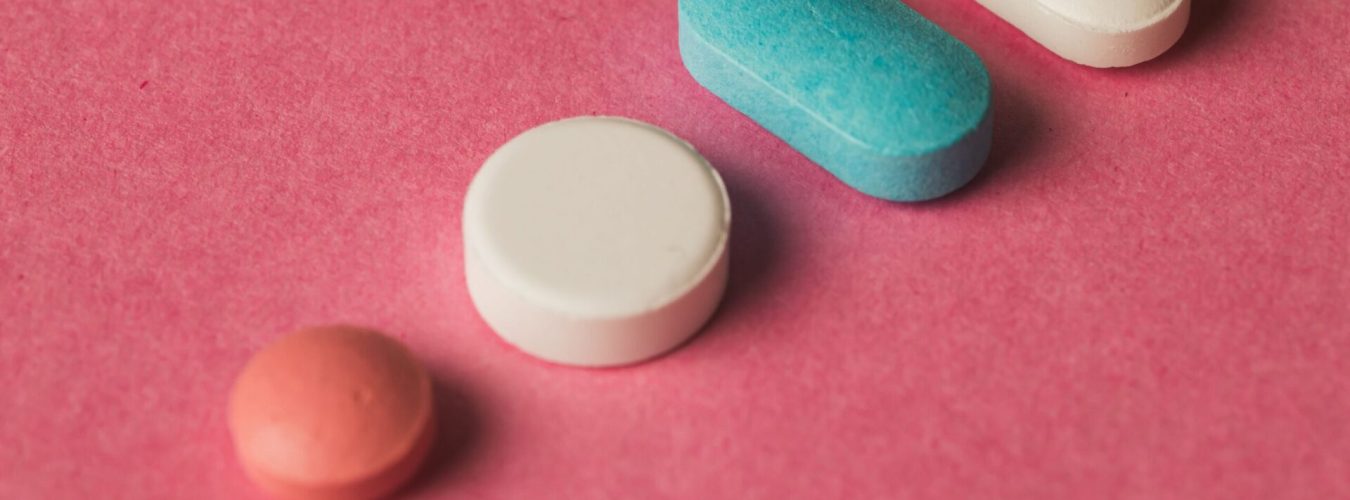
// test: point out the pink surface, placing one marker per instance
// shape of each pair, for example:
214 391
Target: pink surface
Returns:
1145 295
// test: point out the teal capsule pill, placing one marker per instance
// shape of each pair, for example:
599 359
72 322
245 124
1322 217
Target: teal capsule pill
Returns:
870 90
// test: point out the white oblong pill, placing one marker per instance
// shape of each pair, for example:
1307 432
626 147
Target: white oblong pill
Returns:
1098 33
596 241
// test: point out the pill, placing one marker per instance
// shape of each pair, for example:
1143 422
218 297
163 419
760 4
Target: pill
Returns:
595 241
1098 33
334 412
868 89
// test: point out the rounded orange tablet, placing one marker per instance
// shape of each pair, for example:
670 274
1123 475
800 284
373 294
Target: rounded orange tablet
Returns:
334 412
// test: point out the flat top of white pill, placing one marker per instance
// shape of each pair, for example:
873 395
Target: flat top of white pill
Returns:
597 216
1114 15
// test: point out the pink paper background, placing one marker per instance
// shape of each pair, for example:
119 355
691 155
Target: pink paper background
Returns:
1144 296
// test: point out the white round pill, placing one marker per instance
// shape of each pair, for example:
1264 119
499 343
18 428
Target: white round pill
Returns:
596 241
1099 33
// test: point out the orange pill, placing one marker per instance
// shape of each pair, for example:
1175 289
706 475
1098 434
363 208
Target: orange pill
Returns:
334 412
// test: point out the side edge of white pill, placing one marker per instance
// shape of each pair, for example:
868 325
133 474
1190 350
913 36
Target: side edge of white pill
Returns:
1099 33
596 241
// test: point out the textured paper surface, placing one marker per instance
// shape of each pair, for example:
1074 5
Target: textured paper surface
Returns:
1144 296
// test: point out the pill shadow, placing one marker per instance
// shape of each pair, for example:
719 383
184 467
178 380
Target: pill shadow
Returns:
1205 31
1020 130
459 436
757 243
